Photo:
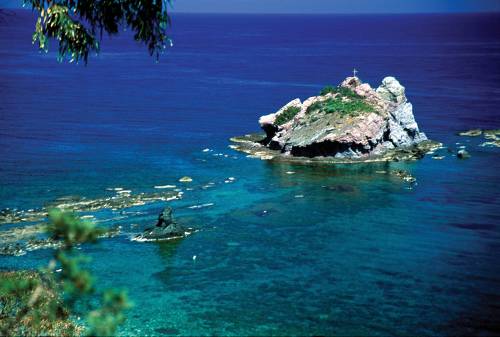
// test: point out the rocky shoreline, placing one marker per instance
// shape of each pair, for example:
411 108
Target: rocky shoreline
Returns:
121 200
345 124
25 229
251 144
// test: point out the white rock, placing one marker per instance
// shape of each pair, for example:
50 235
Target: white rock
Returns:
392 90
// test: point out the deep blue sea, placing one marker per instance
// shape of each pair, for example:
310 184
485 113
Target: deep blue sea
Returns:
328 250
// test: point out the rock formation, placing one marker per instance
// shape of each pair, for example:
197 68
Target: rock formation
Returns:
352 121
166 228
492 136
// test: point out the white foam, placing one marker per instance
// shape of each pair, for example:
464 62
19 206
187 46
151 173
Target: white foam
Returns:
142 239
165 186
201 206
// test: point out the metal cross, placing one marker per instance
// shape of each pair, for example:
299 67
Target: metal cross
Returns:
354 72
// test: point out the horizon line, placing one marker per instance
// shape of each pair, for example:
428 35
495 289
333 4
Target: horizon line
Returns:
339 13
173 11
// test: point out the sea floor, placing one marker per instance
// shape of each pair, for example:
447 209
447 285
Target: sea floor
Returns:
297 249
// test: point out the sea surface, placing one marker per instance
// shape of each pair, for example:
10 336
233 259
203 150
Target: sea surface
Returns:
281 249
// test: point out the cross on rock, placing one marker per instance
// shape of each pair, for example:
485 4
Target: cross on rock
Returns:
354 72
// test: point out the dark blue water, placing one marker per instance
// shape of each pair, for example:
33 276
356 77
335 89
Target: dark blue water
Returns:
345 250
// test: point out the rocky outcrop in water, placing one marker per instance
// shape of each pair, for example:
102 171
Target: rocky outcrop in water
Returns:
492 136
463 154
123 199
349 122
166 228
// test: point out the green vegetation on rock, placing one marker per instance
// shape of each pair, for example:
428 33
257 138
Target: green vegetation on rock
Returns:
342 91
287 115
343 105
346 92
327 90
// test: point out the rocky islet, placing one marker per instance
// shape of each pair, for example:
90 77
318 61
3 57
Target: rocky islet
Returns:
348 123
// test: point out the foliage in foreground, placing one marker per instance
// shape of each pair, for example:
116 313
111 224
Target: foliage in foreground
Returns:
78 26
30 306
46 302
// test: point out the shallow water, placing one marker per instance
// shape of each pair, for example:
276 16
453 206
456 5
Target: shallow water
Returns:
284 248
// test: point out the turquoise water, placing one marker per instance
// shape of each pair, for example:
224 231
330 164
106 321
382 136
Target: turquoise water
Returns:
283 249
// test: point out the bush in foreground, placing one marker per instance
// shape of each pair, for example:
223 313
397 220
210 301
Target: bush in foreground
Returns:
45 302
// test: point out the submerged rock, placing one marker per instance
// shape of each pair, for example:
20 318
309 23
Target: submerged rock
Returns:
492 136
489 134
471 133
81 204
495 143
462 154
22 239
405 176
166 229
351 122
12 249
